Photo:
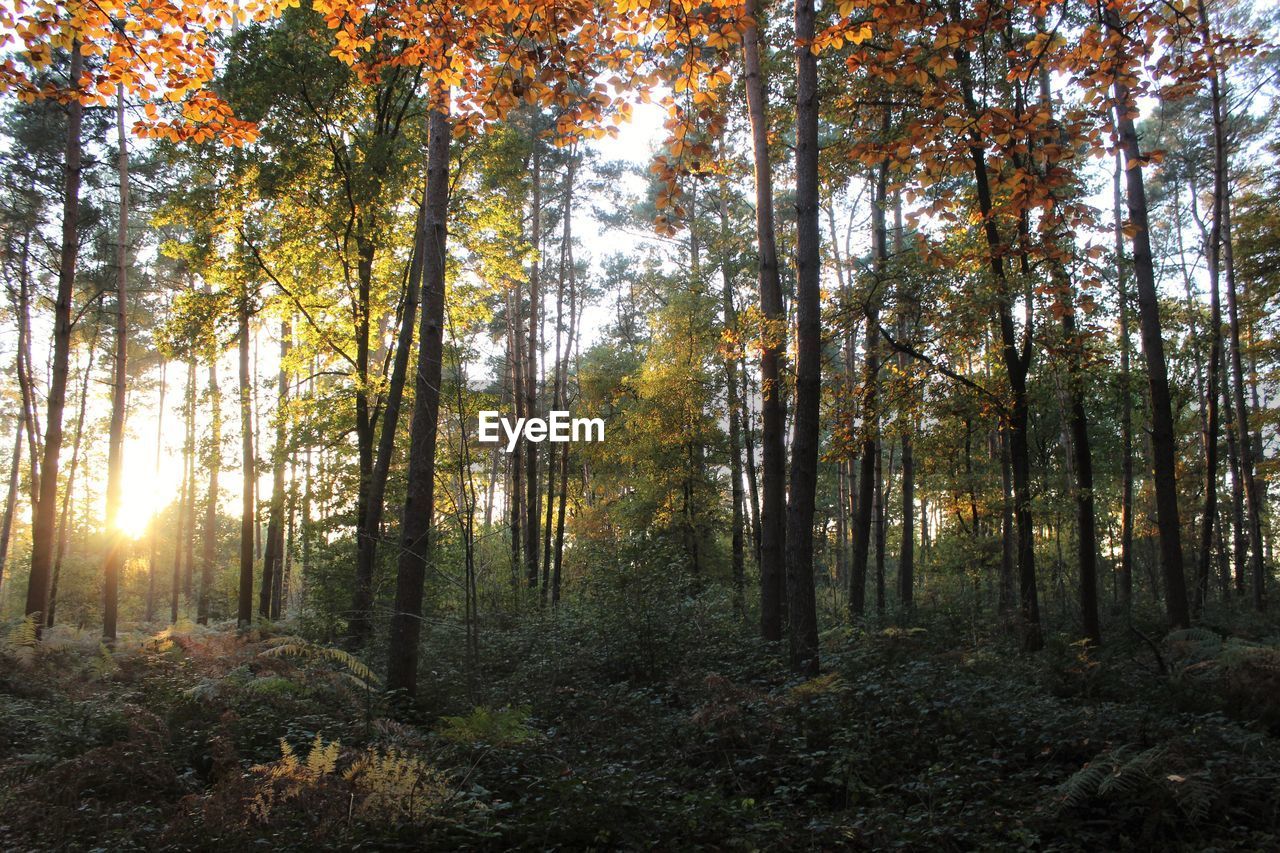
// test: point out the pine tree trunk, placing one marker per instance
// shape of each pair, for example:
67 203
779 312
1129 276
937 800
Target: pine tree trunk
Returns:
64 514
11 496
361 620
737 537
184 543
801 605
532 374
1213 252
1163 438
209 540
116 541
1126 403
26 386
43 512
864 509
248 466
152 568
749 452
419 508
1248 443
560 368
273 560
773 413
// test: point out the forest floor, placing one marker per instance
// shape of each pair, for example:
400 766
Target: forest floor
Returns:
583 731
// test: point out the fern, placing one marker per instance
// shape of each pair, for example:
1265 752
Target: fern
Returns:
1125 775
289 777
499 727
104 665
396 786
24 634
297 647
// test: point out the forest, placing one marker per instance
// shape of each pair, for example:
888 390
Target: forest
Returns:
926 354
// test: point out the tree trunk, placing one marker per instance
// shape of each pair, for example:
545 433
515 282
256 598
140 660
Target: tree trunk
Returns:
864 509
419 507
570 348
908 309
1126 403
773 413
1163 439
64 515
1239 535
1213 252
881 498
737 537
11 496
1248 443
749 451
560 369
361 622
1017 361
184 543
25 383
273 560
515 495
154 533
248 466
116 539
532 374
43 513
209 542
801 606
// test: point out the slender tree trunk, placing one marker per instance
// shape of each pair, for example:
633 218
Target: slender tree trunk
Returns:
43 513
1163 440
881 498
26 386
419 508
801 605
749 451
273 560
1248 444
864 510
11 496
184 542
64 518
559 369
209 541
248 466
1213 252
1086 521
1008 544
515 495
1126 401
1239 536
152 568
773 413
737 538
532 374
64 515
361 622
570 348
1017 361
116 539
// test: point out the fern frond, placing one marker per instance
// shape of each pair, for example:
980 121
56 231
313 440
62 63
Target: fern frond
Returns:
300 648
23 634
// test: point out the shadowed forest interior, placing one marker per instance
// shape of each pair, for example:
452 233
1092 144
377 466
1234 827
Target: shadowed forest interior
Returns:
935 347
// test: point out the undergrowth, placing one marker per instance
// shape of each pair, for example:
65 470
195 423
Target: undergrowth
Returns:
585 731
